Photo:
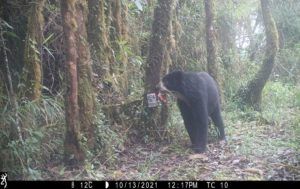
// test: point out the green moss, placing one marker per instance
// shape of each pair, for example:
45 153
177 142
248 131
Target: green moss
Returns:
32 73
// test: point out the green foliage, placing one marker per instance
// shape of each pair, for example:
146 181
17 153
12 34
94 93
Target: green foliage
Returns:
43 137
287 67
108 143
44 132
278 100
279 94
286 14
246 69
192 40
297 95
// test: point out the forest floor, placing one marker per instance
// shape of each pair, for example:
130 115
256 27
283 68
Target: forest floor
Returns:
260 146
255 150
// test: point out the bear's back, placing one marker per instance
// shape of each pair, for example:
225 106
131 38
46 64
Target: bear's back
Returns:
211 89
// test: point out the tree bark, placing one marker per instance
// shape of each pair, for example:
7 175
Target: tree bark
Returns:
86 96
119 38
74 154
251 94
175 51
32 71
155 118
211 44
98 37
117 18
108 15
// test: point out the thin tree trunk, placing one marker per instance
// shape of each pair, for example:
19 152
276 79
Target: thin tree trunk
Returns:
32 71
74 154
155 118
211 44
251 94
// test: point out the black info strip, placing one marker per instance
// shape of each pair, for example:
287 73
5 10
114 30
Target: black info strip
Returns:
150 184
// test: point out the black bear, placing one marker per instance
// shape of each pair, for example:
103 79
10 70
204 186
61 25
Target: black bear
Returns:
198 99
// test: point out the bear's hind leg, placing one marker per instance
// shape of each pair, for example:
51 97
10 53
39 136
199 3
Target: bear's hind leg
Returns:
200 127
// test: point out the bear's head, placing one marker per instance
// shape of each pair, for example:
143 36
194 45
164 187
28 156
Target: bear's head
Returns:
171 82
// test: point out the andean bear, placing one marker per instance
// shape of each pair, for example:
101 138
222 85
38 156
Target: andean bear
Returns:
198 99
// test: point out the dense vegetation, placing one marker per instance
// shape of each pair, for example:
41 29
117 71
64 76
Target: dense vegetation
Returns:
74 76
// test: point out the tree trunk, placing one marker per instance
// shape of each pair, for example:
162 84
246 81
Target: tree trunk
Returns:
74 154
98 37
86 97
175 51
108 15
116 22
251 94
211 44
155 118
32 72
119 38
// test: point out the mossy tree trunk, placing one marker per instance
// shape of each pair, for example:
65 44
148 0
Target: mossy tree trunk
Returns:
98 37
211 43
116 21
86 96
74 154
251 94
175 51
80 98
155 118
32 71
119 39
108 14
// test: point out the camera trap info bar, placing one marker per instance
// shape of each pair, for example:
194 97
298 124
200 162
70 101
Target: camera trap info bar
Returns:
152 100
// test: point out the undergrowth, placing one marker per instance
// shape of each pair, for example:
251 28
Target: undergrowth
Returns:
255 140
43 133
